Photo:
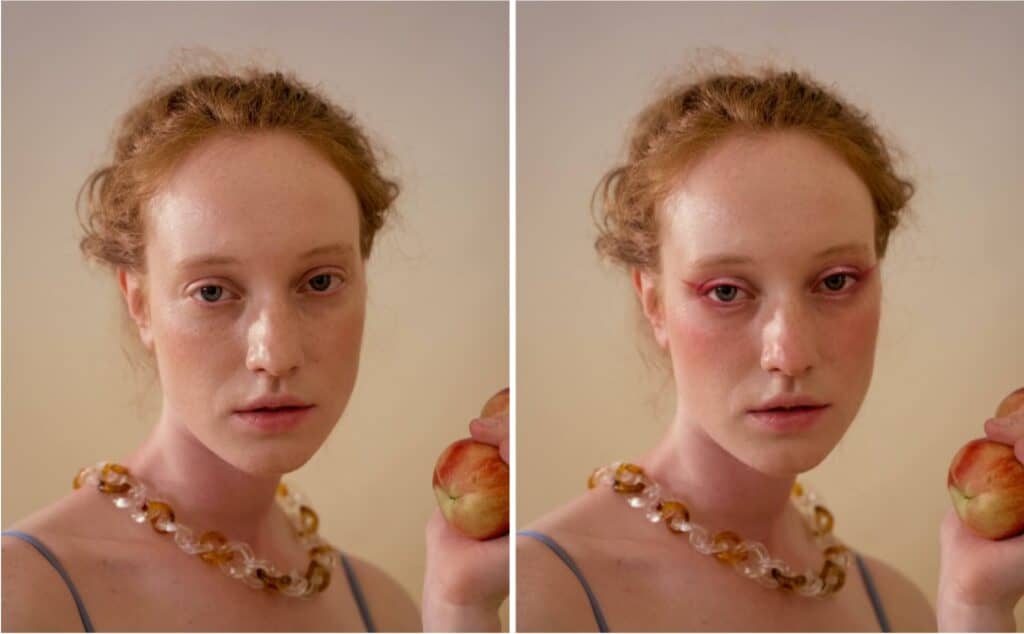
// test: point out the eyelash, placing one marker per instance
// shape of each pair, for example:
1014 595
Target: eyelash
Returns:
856 277
197 293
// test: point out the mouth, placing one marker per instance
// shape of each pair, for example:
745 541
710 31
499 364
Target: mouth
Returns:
273 419
788 419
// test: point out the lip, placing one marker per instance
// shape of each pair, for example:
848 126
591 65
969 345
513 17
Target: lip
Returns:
785 422
273 421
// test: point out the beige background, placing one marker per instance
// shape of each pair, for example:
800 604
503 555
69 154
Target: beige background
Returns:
943 80
429 81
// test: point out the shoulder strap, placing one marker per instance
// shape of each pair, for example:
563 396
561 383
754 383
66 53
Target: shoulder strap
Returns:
50 557
602 625
357 593
876 600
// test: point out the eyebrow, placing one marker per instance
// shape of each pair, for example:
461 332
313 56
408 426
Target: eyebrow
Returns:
730 258
337 248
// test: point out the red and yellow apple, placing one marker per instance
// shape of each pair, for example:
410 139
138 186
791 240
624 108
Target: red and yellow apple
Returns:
986 482
471 485
471 482
497 404
1012 403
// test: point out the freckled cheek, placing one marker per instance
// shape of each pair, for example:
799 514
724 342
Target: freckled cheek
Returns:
851 334
702 349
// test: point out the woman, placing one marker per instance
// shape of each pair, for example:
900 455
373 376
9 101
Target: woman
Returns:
752 212
237 215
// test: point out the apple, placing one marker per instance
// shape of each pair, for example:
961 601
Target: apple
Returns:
1012 403
986 482
471 485
499 403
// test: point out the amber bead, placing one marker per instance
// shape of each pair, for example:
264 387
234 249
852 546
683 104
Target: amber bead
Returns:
833 553
631 472
592 479
155 511
108 470
798 489
77 482
787 582
670 509
318 577
217 541
282 489
308 520
823 521
730 541
833 576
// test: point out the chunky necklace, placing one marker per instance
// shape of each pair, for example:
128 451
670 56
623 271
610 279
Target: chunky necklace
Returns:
234 558
750 559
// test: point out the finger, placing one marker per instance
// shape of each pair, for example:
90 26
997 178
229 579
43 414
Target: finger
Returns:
503 449
1018 450
491 430
1006 429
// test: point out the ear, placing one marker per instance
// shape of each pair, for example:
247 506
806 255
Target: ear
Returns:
645 284
134 293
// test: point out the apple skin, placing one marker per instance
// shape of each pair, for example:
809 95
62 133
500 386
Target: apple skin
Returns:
471 486
1012 403
986 482
498 404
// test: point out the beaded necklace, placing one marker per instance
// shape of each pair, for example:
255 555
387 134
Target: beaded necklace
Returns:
751 559
236 559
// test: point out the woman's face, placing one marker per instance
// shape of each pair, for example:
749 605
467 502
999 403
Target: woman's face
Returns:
255 288
798 316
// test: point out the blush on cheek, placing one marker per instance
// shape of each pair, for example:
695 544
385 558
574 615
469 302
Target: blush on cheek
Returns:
700 345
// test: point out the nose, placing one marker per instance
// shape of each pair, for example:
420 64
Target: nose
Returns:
788 341
274 344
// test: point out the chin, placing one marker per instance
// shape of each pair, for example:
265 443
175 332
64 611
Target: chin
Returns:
784 460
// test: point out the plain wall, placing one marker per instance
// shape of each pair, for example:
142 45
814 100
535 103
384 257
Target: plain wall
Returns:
428 81
942 80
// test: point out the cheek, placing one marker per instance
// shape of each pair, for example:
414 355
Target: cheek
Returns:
852 335
702 348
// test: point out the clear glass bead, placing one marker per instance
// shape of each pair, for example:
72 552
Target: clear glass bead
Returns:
678 524
636 501
700 539
140 516
652 514
123 502
165 524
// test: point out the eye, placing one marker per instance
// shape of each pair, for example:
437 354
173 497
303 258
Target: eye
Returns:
837 281
210 293
726 293
324 282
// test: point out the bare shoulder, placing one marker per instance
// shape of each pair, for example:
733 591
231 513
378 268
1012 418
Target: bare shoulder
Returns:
905 604
389 604
549 596
35 597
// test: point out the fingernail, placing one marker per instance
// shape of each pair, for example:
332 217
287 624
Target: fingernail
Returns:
1001 422
487 422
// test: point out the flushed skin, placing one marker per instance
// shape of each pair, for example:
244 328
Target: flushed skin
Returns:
986 482
471 485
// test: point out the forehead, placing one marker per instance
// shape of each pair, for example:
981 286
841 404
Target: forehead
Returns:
756 195
263 193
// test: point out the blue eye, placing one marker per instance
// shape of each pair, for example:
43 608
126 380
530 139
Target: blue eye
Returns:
211 293
323 282
728 296
839 278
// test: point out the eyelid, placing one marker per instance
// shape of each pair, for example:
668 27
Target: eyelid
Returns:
704 289
196 288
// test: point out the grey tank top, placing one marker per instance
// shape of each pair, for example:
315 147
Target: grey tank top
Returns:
602 624
83 614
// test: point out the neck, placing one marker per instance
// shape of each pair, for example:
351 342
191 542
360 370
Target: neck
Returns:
206 492
721 492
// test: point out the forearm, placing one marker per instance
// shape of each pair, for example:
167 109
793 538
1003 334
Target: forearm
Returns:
439 616
954 616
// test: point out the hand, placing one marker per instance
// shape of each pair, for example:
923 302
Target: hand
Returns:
466 580
980 580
